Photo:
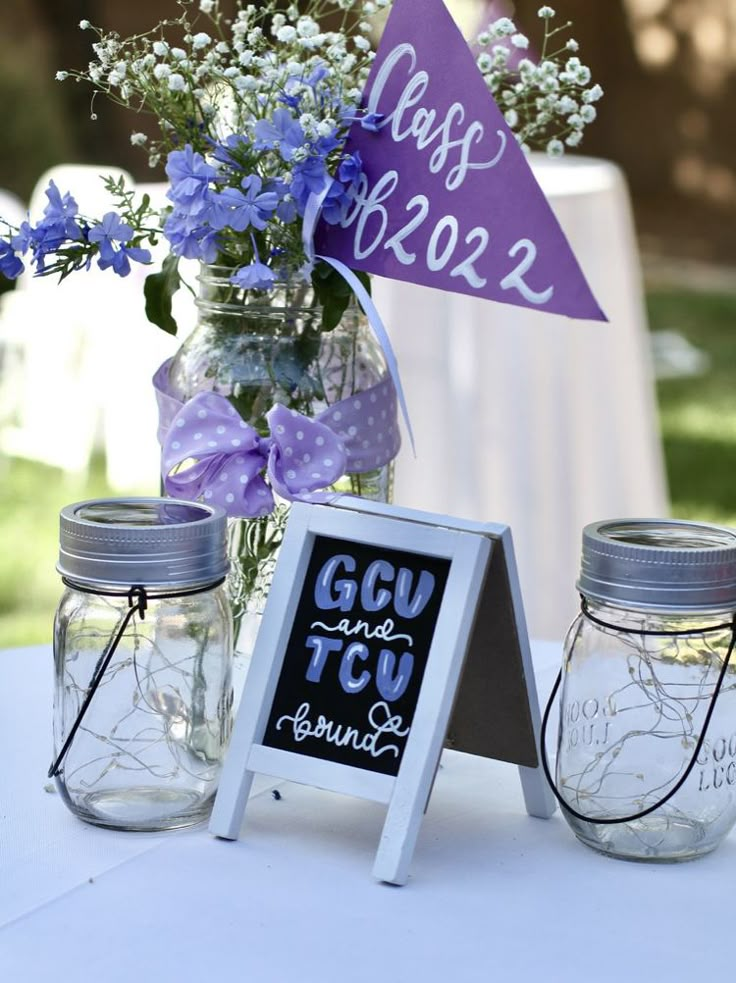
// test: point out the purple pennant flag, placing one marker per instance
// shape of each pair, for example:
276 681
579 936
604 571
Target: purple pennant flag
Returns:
447 198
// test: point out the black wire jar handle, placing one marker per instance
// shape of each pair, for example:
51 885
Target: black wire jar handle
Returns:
698 747
138 600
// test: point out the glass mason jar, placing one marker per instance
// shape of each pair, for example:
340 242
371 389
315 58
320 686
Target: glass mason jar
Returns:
143 657
259 348
641 665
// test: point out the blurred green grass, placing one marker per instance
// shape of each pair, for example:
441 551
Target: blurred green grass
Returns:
698 423
698 414
31 496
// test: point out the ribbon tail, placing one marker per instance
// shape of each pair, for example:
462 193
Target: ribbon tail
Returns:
379 329
309 224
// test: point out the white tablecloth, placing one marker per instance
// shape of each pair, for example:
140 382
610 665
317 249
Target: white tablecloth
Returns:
494 894
532 419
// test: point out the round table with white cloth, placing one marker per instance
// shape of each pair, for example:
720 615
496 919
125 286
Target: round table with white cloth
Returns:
533 419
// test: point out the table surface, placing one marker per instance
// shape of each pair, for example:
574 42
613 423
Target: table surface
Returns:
494 894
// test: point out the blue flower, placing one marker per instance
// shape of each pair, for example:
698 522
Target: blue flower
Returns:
110 231
10 265
60 213
371 121
308 178
336 203
190 239
257 276
190 177
239 211
281 131
351 168
222 151
58 227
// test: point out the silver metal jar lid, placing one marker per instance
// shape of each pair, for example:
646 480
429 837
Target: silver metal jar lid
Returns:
147 542
659 563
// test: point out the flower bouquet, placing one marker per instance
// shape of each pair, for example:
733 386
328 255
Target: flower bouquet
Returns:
282 392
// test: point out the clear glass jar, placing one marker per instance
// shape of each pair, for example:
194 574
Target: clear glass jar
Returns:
258 348
641 664
147 751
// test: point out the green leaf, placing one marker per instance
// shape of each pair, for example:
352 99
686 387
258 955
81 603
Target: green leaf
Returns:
334 293
159 290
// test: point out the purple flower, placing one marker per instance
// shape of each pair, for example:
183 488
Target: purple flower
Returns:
239 211
281 131
111 236
190 177
10 265
257 276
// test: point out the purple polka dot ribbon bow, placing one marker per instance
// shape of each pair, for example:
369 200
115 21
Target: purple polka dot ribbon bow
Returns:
209 452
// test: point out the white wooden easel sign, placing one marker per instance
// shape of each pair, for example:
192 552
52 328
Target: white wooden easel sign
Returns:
372 620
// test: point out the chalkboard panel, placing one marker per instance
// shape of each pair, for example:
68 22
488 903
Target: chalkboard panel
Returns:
356 655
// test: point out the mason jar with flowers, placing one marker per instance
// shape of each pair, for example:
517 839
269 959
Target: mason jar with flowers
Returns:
282 390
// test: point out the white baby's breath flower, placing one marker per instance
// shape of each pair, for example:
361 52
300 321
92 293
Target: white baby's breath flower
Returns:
546 13
177 82
246 83
222 47
566 105
484 39
588 113
511 117
572 45
60 76
520 41
307 27
574 138
206 6
138 139
549 85
201 40
484 62
178 53
593 94
576 121
555 148
160 48
114 78
362 44
286 34
277 22
503 27
84 25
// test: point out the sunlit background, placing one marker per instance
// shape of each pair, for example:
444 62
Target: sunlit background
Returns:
668 68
